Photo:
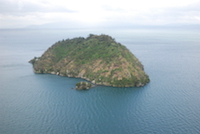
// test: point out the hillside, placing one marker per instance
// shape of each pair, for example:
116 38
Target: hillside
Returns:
99 59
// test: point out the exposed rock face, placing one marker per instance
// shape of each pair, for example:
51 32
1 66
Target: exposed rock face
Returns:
83 85
98 59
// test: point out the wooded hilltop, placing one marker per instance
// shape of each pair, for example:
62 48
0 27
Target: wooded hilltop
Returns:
97 58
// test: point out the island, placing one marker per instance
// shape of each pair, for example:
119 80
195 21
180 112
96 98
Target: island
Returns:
98 59
83 85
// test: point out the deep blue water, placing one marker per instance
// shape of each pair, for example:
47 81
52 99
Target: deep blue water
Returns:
46 104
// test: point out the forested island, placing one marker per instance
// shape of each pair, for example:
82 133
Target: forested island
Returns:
97 58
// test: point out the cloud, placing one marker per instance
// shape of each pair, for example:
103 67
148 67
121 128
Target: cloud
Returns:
156 16
185 14
112 9
26 7
21 13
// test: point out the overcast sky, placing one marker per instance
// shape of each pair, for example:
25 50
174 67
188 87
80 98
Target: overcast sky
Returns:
22 13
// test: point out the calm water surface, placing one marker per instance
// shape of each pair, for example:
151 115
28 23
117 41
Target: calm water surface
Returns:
46 104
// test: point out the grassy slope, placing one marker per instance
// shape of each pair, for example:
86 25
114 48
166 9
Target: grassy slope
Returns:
97 58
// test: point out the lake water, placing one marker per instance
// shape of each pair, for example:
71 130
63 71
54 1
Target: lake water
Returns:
46 104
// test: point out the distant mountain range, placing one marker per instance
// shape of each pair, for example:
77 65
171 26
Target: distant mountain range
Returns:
110 25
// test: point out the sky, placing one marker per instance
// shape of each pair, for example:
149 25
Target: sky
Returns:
23 13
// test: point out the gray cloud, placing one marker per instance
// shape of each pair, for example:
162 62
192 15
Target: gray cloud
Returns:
20 14
21 8
158 16
187 14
